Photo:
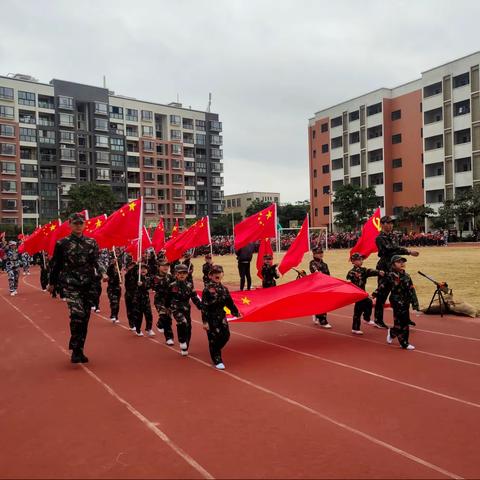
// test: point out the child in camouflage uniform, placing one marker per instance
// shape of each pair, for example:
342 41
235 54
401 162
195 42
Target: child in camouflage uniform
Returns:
318 265
358 276
269 272
114 288
206 267
401 297
26 259
12 266
161 283
180 292
215 298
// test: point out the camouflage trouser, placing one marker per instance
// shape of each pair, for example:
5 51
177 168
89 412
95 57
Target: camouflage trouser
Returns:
184 325
114 294
129 308
26 267
140 307
79 301
44 278
12 279
164 319
363 306
322 318
218 335
97 284
401 322
380 300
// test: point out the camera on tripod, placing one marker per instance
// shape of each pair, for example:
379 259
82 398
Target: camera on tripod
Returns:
441 288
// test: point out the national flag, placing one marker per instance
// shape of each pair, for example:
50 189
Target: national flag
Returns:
175 230
30 242
122 226
366 243
158 240
63 230
133 247
40 239
297 250
195 236
265 248
299 298
260 225
93 224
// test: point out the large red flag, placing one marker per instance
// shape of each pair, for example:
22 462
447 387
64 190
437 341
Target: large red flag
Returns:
30 242
298 298
195 236
265 248
121 226
158 240
40 239
133 247
93 224
175 230
297 250
366 243
260 225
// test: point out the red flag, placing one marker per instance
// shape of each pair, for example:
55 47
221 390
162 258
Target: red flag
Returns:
40 239
175 230
121 226
158 240
93 224
195 236
265 248
132 247
260 225
298 298
366 243
297 250
30 242
63 230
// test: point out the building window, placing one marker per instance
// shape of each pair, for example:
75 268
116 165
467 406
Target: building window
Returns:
354 160
68 172
9 205
26 98
375 155
355 181
433 89
9 168
26 116
324 127
337 142
9 186
398 187
103 174
354 137
325 168
46 136
66 137
28 134
201 167
314 173
176 149
117 160
352 116
375 179
396 163
148 162
116 112
373 109
337 164
396 115
326 189
117 144
315 192
314 153
7 130
147 131
131 114
200 125
101 141
8 149
374 132
101 124
148 145
175 134
102 157
200 139
461 80
66 120
434 196
147 115
6 112
397 138
462 136
461 108
432 143
325 148
326 210
175 120
463 164
397 211
6 93
313 133
65 102
336 122
101 108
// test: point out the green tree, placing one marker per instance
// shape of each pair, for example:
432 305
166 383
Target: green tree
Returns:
354 205
256 206
416 215
222 225
97 199
296 211
463 208
445 217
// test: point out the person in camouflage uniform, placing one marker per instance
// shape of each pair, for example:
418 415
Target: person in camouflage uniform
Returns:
187 260
12 266
402 295
114 288
161 283
44 272
215 298
26 259
206 267
318 265
180 292
358 276
387 246
269 272
74 261
130 279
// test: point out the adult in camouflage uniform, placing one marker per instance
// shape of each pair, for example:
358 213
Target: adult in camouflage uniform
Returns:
44 272
187 261
206 267
114 288
180 292
358 276
161 283
402 295
387 245
26 259
318 265
215 298
12 266
74 261
130 278
269 272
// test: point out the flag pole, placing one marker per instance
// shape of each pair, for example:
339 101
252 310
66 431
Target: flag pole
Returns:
276 229
209 236
140 235
116 263
308 231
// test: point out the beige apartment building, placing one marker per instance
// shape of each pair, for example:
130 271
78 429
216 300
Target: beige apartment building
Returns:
239 202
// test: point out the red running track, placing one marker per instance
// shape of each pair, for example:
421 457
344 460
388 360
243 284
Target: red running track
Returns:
295 401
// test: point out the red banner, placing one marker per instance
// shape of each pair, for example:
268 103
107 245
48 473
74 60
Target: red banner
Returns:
366 243
260 225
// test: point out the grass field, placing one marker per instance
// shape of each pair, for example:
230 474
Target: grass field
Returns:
459 266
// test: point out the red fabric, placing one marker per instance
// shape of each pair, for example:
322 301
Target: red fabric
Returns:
260 225
265 248
315 293
132 247
175 230
195 236
158 240
366 243
121 226
297 250
93 224
40 239
30 242
63 230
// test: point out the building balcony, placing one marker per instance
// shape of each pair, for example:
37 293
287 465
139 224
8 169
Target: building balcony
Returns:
434 101
434 183
462 150
375 119
433 129
375 143
433 156
461 122
464 179
461 93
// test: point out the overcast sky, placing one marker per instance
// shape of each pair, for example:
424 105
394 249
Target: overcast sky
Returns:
270 65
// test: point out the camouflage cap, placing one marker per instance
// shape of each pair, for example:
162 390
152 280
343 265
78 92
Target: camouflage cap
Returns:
386 219
208 255
268 257
398 258
216 269
317 250
163 262
181 268
76 218
356 256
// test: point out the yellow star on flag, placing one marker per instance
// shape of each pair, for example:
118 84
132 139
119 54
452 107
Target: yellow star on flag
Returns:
246 301
99 223
132 206
52 227
269 214
227 310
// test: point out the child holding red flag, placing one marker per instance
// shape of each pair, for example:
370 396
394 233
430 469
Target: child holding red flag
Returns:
318 265
269 272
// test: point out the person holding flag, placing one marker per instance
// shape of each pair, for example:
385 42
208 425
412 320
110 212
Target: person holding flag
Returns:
318 265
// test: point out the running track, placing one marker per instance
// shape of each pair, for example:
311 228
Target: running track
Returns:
295 400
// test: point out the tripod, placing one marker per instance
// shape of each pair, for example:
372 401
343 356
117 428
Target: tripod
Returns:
441 301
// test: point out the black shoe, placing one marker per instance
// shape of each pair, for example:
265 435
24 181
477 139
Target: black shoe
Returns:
413 324
380 324
83 358
76 358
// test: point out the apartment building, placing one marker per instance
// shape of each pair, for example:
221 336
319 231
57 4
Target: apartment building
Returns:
239 202
56 135
418 143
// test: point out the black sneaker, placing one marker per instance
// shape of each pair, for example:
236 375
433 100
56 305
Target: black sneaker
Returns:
83 358
76 358
413 324
380 324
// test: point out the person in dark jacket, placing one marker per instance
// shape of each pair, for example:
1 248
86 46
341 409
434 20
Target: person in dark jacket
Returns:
206 267
318 265
114 288
269 272
161 284
244 257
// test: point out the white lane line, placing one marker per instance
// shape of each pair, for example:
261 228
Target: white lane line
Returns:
363 339
474 339
153 427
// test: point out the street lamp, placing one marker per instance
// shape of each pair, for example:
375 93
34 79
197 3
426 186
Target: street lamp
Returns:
59 191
